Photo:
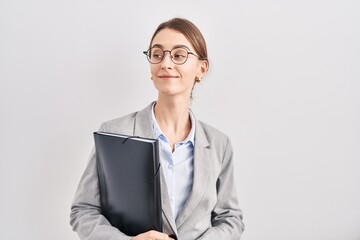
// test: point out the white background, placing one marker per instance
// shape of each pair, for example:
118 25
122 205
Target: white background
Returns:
284 84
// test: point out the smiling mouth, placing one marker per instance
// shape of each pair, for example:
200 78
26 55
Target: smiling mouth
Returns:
168 76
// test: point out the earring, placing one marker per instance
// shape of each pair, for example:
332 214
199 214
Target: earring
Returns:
151 77
198 79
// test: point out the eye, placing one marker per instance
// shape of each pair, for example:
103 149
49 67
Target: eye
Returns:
156 53
179 54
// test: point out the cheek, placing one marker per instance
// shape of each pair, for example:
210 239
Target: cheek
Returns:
191 69
190 73
154 69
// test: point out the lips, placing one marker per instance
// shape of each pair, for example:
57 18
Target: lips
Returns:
168 76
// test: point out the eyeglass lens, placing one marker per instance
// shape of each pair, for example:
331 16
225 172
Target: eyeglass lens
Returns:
177 55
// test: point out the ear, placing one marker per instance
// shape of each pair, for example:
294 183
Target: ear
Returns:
203 68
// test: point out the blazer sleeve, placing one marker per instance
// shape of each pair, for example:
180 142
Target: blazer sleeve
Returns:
226 217
86 218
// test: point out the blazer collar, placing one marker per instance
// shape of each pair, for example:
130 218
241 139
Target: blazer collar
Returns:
143 128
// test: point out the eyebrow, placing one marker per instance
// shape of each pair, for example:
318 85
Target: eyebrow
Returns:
176 46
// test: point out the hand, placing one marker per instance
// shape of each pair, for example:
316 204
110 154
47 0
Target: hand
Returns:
152 235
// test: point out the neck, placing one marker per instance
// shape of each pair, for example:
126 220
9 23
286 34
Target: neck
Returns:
173 113
173 118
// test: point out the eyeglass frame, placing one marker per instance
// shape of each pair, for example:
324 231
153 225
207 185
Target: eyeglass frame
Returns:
169 51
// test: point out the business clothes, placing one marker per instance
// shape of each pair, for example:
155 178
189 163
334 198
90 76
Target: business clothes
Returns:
211 211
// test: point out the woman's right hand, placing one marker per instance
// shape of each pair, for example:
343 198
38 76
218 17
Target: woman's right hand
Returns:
152 235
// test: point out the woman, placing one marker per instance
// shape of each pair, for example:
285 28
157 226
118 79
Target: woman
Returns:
198 192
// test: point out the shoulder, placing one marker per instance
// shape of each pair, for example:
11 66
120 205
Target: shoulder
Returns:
216 142
126 124
212 132
121 125
215 137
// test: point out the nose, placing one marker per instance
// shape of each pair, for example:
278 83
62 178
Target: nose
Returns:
167 63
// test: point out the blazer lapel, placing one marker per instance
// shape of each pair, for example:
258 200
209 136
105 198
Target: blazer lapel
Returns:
201 173
143 128
166 205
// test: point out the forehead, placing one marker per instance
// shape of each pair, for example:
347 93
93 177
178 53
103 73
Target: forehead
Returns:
169 38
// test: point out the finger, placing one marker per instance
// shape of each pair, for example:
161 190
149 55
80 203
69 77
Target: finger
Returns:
155 235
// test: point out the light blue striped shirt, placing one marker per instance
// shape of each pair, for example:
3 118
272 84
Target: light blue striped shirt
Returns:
178 166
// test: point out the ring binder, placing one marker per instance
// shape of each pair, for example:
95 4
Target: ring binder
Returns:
129 182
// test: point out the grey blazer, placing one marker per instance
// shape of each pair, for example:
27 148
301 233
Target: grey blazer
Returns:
211 211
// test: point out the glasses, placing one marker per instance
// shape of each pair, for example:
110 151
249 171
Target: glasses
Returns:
178 55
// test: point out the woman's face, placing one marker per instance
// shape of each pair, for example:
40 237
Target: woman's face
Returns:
169 78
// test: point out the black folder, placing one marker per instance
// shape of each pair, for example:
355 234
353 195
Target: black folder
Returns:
129 182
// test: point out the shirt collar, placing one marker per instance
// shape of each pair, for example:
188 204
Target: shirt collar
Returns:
158 133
